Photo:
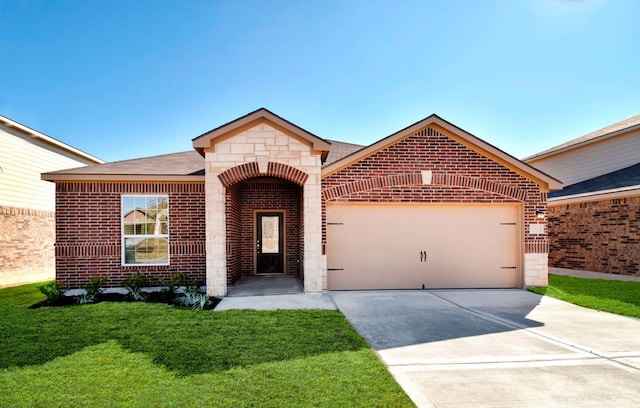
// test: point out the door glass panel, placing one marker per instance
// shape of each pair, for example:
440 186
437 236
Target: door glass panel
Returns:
270 234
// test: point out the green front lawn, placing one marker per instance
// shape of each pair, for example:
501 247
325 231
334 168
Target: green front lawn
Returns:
618 297
154 355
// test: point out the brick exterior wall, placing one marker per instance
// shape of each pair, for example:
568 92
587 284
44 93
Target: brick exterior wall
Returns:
459 175
233 205
242 200
26 245
271 196
599 236
88 231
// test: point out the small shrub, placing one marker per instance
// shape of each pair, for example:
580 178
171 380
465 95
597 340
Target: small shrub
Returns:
194 299
134 285
170 290
93 289
52 290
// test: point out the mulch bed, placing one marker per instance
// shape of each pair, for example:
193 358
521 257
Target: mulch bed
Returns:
149 297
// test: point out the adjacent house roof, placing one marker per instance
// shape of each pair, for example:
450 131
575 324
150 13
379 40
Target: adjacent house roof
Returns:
254 118
183 166
618 128
457 134
624 180
34 134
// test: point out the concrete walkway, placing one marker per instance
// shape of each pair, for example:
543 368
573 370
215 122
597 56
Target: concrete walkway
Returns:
272 293
499 348
278 302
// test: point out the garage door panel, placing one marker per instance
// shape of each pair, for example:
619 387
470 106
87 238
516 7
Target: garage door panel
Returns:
384 247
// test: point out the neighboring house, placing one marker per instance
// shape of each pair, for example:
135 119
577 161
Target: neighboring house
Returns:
27 224
594 222
430 206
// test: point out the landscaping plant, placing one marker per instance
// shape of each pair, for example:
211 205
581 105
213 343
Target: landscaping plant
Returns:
194 299
170 290
93 289
52 290
134 285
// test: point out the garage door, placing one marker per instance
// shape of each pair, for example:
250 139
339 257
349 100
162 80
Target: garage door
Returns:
408 246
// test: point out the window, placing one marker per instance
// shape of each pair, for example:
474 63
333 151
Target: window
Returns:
145 230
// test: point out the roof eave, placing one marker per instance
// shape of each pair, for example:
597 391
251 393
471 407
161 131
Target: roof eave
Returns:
554 151
66 177
629 191
49 140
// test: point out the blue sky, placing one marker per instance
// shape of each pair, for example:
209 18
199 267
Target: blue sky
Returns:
126 79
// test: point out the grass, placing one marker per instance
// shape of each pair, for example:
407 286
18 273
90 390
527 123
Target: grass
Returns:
618 297
154 355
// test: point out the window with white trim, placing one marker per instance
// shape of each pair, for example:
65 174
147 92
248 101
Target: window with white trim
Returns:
145 230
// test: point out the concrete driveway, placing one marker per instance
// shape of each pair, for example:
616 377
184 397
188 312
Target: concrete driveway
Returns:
499 348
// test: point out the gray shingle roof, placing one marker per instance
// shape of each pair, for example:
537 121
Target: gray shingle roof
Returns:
188 163
626 177
341 149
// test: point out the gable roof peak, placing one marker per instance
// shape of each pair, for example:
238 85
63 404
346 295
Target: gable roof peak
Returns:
260 115
452 131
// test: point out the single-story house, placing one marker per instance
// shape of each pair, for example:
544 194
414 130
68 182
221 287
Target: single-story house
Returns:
430 206
27 203
594 222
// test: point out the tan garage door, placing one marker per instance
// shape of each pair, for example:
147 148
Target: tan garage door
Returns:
408 246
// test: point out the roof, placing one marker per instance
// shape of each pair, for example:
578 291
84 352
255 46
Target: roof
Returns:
341 149
189 165
182 166
627 177
457 134
34 134
254 118
618 128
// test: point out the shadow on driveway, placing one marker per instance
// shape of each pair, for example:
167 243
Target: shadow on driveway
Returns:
391 319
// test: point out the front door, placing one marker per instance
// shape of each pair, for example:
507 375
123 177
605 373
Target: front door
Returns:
269 243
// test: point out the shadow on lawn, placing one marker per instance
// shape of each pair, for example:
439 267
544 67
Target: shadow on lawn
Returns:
185 341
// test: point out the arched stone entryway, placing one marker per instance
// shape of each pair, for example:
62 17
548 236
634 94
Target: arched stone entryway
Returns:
257 146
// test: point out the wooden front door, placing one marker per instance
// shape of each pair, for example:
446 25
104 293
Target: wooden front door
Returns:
269 243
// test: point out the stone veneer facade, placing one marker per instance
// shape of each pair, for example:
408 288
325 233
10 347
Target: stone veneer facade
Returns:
262 150
598 236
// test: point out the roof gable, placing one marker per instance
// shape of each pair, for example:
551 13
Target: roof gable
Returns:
455 133
255 118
